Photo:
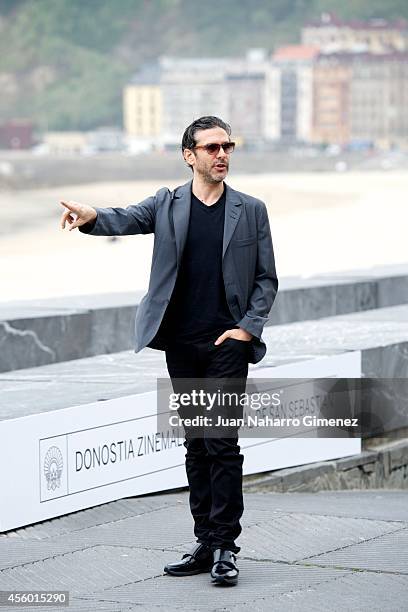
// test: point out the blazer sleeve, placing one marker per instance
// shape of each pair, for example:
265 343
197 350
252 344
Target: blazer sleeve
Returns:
135 219
266 283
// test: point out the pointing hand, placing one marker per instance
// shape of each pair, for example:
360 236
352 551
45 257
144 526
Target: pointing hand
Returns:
76 214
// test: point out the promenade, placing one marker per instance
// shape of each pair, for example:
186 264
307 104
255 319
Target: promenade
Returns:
300 552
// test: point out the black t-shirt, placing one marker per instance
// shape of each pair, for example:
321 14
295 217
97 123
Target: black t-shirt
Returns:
198 309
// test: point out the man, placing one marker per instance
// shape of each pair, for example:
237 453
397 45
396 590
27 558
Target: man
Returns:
212 285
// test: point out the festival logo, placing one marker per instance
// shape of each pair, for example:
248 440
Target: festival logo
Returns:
53 466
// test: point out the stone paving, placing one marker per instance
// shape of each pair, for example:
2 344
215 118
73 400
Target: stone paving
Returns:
327 551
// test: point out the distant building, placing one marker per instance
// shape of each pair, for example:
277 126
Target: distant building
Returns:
65 142
104 139
289 104
143 104
361 98
246 106
331 99
191 88
16 134
332 34
379 99
247 81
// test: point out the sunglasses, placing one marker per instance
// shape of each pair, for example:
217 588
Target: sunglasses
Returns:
213 148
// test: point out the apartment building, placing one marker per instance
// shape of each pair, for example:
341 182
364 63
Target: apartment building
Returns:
332 34
289 94
143 104
331 99
379 99
361 98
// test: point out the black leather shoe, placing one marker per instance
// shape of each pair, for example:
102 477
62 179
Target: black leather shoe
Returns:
198 560
224 570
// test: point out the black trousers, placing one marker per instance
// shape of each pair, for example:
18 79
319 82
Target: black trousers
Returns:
213 463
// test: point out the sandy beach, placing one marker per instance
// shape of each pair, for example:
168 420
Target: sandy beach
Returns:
321 223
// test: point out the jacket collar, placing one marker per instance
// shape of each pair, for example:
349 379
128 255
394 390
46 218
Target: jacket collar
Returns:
181 215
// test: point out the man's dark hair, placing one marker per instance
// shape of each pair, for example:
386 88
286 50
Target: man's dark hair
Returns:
203 123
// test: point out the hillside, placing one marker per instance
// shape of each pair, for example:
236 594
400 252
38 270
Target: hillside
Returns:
63 62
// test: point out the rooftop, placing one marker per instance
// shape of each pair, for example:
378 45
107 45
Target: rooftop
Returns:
378 23
296 52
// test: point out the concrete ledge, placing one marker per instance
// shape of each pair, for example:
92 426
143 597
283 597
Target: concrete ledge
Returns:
380 336
51 331
302 299
38 332
373 469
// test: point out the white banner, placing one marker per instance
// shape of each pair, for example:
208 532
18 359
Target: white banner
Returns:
65 460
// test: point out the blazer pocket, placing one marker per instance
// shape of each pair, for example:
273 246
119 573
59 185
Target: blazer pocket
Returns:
244 241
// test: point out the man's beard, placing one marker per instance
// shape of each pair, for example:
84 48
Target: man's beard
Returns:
209 178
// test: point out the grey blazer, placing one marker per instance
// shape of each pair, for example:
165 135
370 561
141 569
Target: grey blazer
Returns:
249 271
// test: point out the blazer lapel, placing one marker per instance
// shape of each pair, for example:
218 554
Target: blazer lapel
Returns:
181 216
233 211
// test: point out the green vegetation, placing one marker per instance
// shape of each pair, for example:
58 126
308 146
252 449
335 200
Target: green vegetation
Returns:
63 63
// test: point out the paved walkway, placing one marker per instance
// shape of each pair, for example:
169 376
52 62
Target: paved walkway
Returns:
328 551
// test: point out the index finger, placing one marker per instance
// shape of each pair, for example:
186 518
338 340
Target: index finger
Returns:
221 338
66 204
72 206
